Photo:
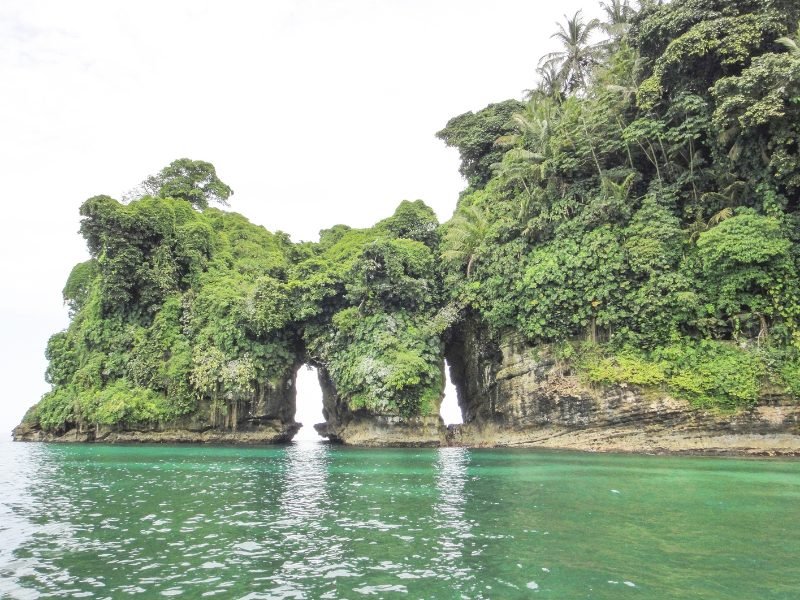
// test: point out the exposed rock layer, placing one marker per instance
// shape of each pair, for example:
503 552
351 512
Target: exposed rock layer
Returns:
512 394
271 432
267 417
361 428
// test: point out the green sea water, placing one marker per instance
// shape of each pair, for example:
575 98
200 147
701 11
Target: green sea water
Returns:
314 521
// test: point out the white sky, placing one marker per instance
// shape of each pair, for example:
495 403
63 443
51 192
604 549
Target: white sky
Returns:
315 112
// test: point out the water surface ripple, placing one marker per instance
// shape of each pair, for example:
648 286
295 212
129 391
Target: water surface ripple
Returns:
311 521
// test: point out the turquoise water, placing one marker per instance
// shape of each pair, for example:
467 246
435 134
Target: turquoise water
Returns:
313 521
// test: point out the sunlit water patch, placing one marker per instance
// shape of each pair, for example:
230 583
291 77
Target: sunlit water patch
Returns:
313 521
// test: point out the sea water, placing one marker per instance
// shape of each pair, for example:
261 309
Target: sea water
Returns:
310 520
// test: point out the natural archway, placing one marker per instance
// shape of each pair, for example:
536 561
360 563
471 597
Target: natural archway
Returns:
450 410
308 403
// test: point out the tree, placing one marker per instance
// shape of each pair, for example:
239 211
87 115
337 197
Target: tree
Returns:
392 274
414 221
195 181
758 116
79 284
693 44
465 234
474 135
618 17
748 265
549 85
576 59
523 163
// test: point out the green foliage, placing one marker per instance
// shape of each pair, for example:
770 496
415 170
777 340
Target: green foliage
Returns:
178 306
653 240
194 181
759 113
387 363
80 280
474 135
175 306
414 221
653 199
625 367
729 40
749 267
573 63
663 31
790 375
464 236
394 273
55 410
570 284
369 300
714 374
645 196
708 374
145 250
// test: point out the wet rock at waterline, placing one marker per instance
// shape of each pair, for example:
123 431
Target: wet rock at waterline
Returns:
511 395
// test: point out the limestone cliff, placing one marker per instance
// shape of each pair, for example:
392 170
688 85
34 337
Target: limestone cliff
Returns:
265 417
513 394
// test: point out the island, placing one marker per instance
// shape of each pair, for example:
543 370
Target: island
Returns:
620 273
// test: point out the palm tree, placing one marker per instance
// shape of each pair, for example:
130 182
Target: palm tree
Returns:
549 86
577 58
520 166
649 4
618 16
533 125
465 234
617 192
524 162
616 24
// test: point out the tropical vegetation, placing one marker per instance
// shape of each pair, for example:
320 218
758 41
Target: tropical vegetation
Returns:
638 212
641 207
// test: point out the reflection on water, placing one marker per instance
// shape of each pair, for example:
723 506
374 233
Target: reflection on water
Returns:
309 404
309 520
452 528
301 523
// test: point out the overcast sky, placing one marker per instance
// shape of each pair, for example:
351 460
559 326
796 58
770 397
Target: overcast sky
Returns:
315 112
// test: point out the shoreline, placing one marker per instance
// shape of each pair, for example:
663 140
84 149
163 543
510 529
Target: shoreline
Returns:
580 441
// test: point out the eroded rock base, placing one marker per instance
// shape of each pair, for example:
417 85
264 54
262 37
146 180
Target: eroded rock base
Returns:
513 394
269 432
627 439
385 431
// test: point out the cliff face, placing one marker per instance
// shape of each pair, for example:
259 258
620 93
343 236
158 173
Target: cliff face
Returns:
512 394
362 428
266 417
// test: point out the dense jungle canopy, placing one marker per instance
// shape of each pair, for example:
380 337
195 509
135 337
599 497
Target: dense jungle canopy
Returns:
637 211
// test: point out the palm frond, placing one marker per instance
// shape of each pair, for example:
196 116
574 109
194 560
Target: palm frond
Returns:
791 44
512 139
723 215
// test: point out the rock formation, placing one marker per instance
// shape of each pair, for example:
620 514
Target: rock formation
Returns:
514 394
511 394
363 428
266 417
